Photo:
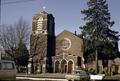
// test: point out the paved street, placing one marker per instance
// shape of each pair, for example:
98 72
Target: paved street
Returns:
55 77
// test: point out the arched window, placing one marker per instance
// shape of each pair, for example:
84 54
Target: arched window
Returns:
57 69
40 23
79 61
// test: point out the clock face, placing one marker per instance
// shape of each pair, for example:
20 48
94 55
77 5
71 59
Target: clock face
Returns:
66 44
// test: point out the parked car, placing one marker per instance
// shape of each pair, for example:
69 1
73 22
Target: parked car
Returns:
94 76
78 75
7 70
97 76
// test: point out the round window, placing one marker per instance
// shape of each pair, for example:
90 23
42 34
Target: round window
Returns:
66 44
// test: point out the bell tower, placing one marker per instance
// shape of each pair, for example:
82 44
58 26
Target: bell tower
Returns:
43 23
42 42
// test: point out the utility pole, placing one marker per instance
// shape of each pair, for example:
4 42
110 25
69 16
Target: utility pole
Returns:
0 55
96 59
0 12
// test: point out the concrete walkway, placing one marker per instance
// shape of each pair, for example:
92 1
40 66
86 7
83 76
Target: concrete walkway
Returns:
114 77
43 75
46 79
46 76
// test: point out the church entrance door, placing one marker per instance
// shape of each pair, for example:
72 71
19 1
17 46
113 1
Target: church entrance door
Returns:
70 66
63 66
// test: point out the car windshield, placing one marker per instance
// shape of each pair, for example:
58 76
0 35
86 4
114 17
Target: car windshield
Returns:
7 65
80 72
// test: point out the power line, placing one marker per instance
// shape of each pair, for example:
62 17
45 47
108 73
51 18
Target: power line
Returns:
0 12
14 2
6 0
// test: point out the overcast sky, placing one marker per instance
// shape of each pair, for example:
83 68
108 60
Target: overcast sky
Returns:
67 13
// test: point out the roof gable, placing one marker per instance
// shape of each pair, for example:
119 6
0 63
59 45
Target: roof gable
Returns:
67 33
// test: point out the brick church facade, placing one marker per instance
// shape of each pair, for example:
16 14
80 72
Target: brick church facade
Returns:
50 53
69 53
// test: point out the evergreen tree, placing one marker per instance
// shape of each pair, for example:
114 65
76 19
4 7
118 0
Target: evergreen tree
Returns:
98 37
23 54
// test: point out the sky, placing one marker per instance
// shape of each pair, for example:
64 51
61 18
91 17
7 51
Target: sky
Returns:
67 13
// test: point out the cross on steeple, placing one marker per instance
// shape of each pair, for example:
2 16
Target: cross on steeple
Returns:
44 8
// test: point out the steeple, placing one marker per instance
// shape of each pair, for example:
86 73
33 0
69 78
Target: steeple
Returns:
43 23
41 40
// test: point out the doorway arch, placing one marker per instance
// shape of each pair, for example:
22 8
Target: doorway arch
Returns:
70 66
64 66
57 64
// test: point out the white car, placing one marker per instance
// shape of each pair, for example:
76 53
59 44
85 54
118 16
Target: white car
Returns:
7 70
77 75
97 76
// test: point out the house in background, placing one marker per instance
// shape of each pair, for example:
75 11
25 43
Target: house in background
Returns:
116 65
3 55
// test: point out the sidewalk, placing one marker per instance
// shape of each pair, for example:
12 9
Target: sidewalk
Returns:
114 77
46 76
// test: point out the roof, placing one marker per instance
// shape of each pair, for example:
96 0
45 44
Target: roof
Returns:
43 13
67 32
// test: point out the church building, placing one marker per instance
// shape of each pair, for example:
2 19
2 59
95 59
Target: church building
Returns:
49 53
69 53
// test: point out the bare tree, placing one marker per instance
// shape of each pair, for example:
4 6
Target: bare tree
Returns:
22 31
38 50
8 40
11 36
38 46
